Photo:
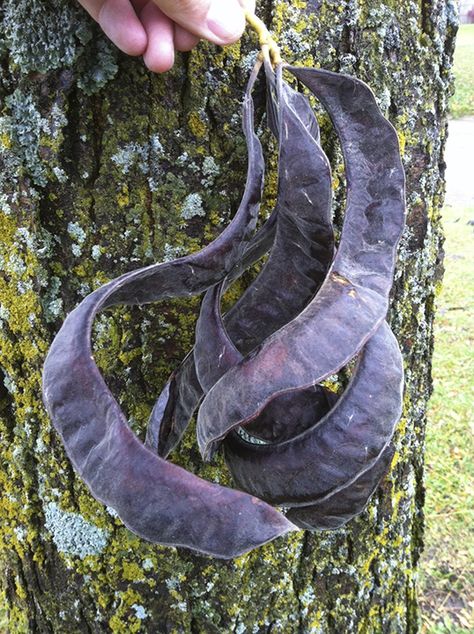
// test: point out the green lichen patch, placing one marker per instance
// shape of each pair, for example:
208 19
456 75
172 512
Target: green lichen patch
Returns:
54 40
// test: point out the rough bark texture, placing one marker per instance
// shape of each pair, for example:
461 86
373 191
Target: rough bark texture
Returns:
106 168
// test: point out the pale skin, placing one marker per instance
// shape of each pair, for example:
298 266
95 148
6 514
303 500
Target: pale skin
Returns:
156 29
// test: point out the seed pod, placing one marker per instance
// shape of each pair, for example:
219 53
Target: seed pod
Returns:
325 335
156 499
261 365
285 416
337 509
304 242
340 447
292 274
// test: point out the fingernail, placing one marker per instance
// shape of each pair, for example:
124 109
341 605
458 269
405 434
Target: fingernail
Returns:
226 20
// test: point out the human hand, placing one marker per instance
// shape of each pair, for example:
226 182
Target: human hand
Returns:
158 28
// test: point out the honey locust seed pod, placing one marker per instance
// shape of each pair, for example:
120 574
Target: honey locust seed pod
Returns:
156 499
337 509
325 336
340 447
291 276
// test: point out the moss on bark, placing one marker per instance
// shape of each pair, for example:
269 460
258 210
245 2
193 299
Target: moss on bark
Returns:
106 168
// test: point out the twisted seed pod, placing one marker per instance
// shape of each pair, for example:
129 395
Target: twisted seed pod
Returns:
326 456
325 336
291 276
156 499
303 248
337 509
347 451
340 447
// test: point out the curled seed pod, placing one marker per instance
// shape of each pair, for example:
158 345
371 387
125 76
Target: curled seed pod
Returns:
345 452
327 463
325 336
291 276
182 393
285 416
337 509
304 242
156 499
340 447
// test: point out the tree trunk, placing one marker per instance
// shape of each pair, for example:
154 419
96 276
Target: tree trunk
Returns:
99 159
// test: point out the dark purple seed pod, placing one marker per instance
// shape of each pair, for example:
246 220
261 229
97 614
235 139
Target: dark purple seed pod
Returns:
287 439
303 249
302 252
285 416
326 335
340 447
156 499
337 509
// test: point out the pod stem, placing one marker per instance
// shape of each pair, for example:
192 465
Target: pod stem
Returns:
270 49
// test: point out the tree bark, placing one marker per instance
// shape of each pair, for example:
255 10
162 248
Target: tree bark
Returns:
99 159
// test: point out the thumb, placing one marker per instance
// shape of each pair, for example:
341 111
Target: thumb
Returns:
219 21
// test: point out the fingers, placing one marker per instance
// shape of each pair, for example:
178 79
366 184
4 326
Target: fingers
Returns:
156 28
121 24
219 21
165 35
184 40
159 53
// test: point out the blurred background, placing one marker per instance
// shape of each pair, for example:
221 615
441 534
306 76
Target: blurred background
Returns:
466 11
447 570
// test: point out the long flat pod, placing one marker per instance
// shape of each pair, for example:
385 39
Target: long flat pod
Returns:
338 448
182 393
302 251
304 242
214 351
325 336
337 509
285 416
156 499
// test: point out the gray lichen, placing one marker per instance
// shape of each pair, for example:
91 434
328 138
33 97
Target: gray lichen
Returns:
210 171
51 301
64 36
76 232
72 534
96 252
192 206
25 128
144 157
140 611
131 155
53 42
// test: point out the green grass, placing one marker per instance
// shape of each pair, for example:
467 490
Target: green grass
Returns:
462 103
447 580
447 568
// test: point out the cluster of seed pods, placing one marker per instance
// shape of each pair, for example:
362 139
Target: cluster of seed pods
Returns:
255 374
